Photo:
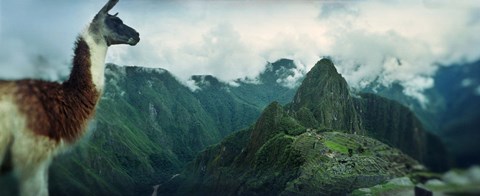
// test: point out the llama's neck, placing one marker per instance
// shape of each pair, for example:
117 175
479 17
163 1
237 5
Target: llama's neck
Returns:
89 62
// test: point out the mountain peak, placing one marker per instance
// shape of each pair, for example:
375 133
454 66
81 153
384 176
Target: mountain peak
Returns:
324 66
277 71
268 122
324 96
207 81
282 63
322 81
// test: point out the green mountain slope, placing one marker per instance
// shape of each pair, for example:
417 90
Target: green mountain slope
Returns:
229 112
277 156
140 137
324 142
394 124
235 107
147 127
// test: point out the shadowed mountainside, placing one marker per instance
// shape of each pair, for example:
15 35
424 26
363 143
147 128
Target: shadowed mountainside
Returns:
324 142
451 111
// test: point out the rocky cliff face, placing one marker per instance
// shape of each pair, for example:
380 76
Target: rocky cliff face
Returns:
394 124
324 101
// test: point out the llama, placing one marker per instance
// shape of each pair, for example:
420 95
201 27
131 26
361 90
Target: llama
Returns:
39 119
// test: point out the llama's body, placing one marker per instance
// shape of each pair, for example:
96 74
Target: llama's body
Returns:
38 119
27 153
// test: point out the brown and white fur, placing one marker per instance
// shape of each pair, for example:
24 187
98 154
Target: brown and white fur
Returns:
38 119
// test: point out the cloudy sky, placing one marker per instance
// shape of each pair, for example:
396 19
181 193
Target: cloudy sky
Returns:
392 41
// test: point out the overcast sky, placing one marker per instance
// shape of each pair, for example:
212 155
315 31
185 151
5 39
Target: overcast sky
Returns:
393 41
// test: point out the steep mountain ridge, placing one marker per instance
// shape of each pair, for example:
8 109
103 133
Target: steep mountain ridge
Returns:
148 126
397 126
139 137
324 100
229 112
235 107
307 148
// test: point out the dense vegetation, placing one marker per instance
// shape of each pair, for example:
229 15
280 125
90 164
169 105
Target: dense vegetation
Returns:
317 144
269 159
148 126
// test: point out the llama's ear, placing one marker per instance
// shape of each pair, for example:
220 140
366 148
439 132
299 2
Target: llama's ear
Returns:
108 6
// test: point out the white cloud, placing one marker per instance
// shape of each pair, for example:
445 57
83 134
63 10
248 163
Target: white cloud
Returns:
467 82
235 39
37 37
222 41
293 79
191 85
401 41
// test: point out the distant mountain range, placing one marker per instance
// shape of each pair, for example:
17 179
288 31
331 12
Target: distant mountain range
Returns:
459 123
452 112
149 126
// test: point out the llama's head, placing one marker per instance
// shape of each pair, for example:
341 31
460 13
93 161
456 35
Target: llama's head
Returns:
111 29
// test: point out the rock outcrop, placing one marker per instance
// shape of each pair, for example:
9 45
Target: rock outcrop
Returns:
324 101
